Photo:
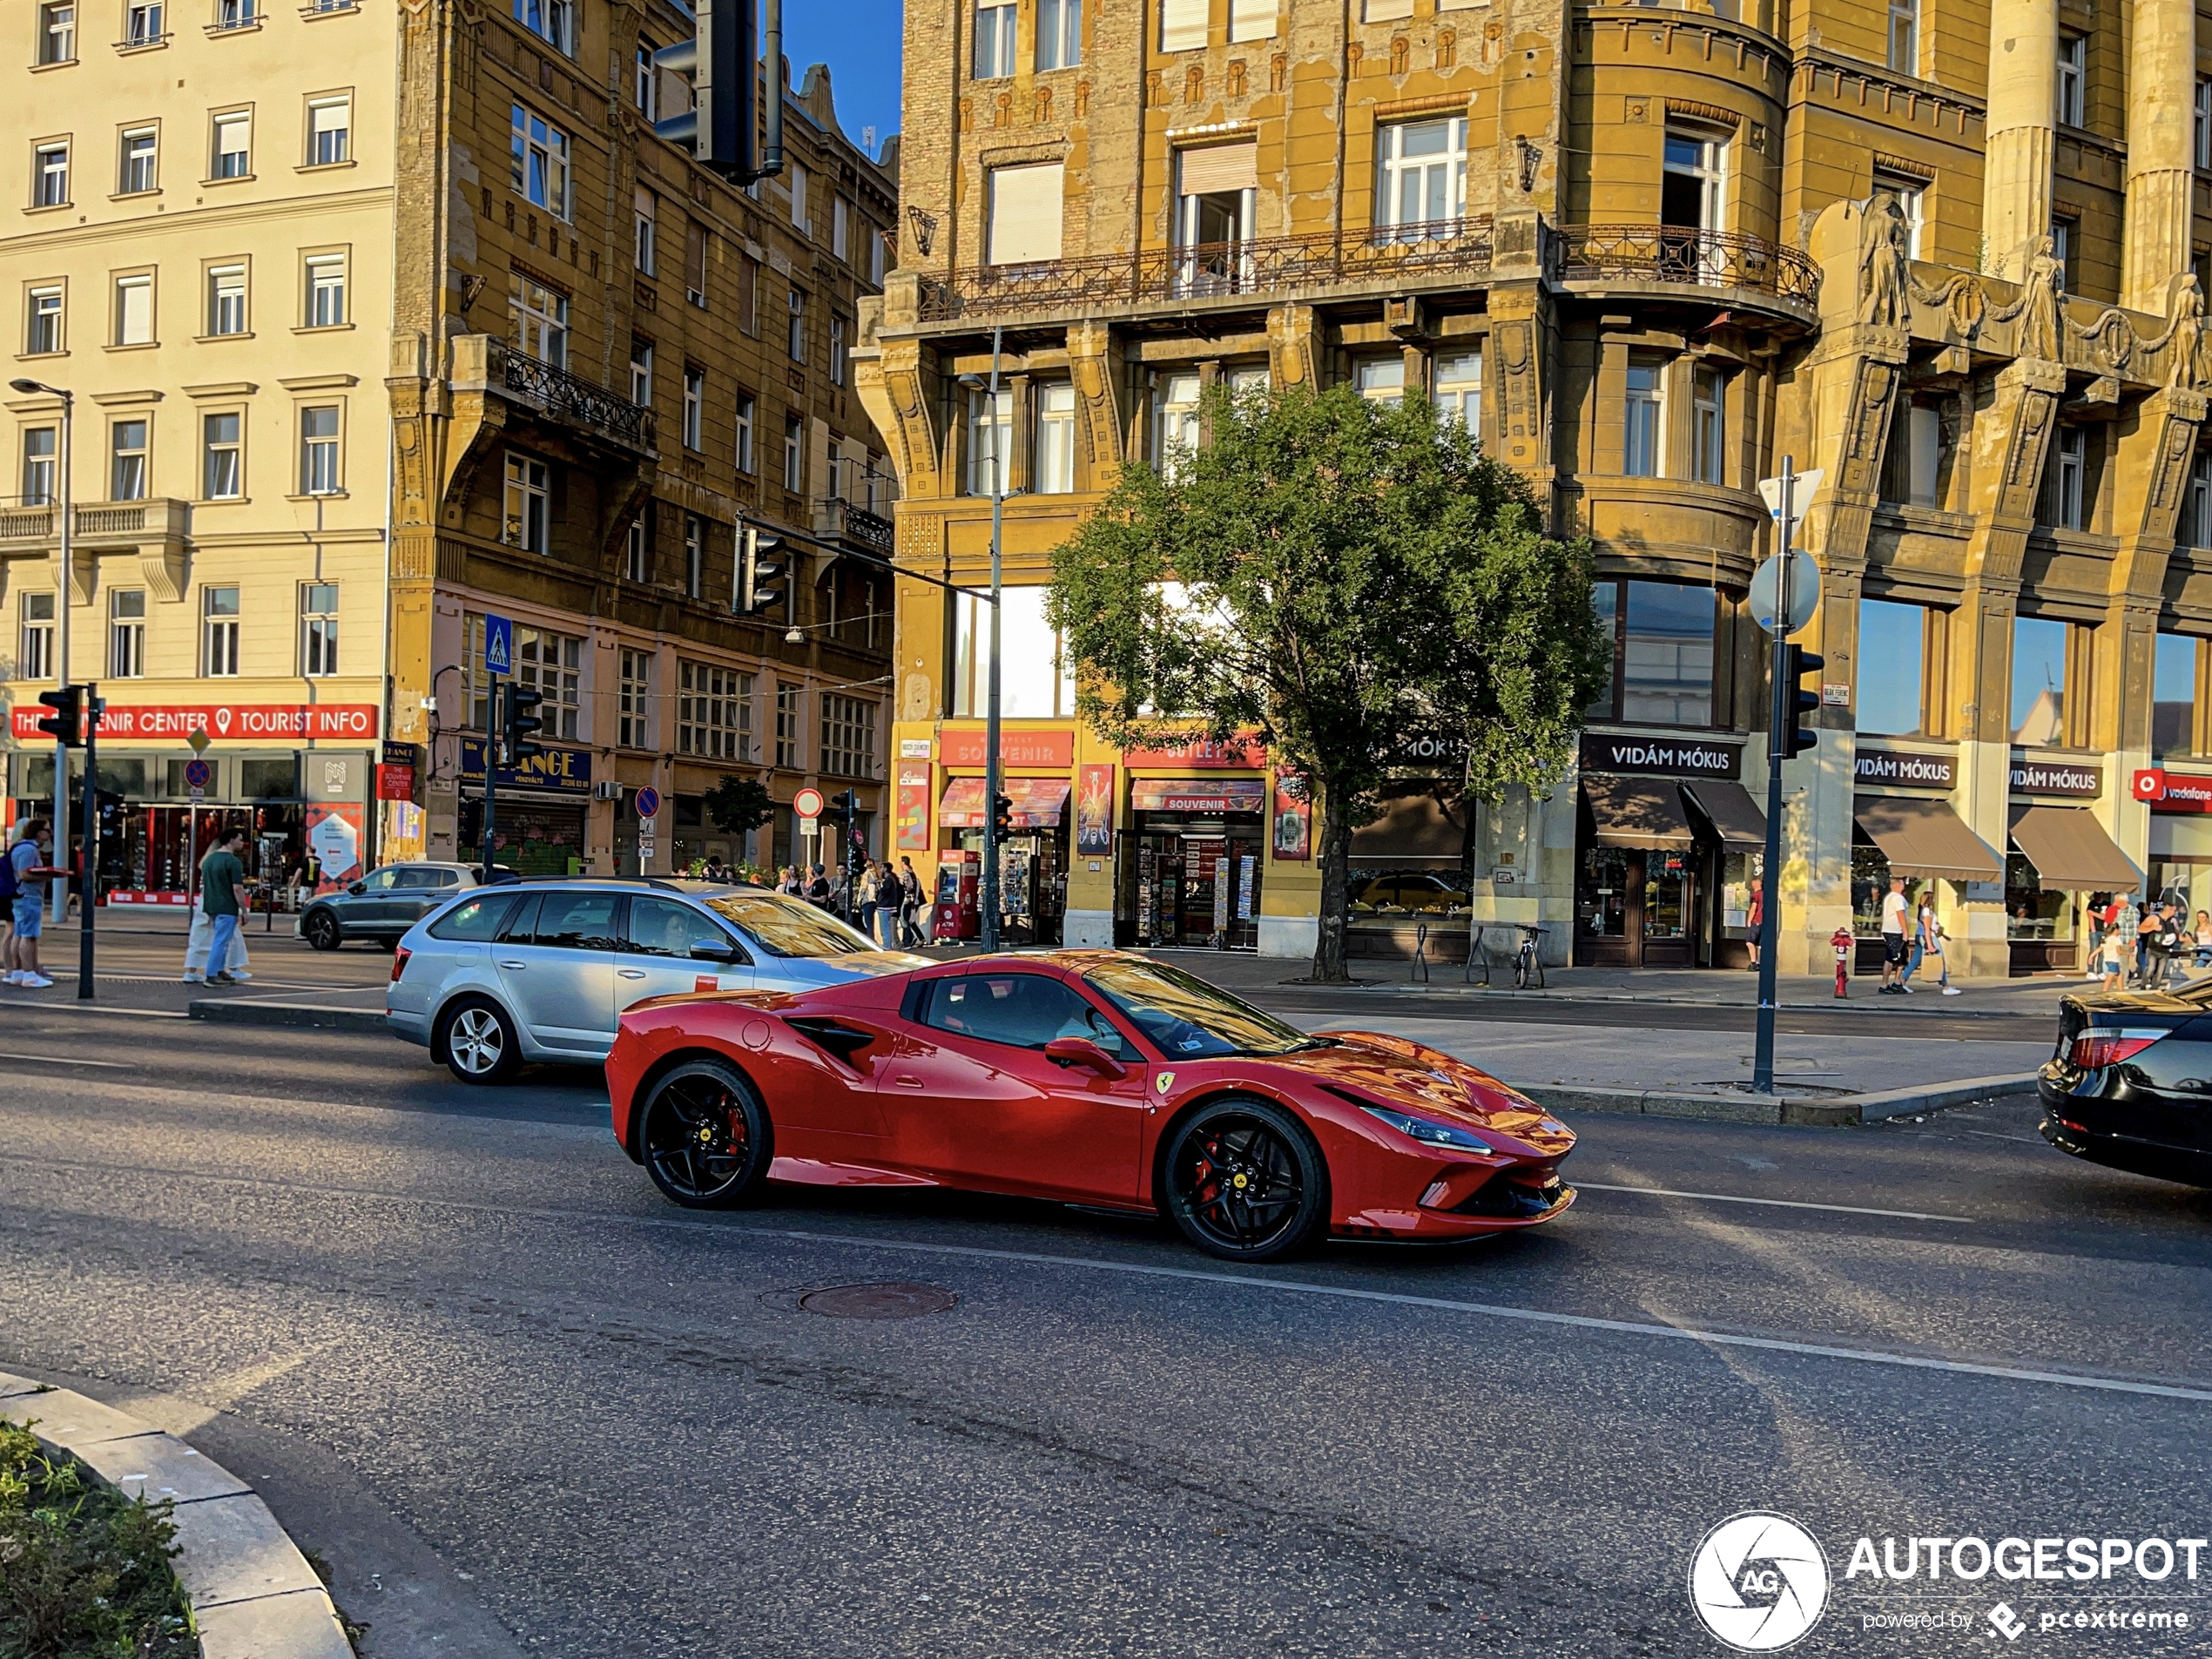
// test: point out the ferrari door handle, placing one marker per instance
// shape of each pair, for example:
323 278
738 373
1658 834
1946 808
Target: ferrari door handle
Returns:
514 964
631 973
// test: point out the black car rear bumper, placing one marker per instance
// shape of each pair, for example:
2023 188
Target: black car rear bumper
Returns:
2065 1125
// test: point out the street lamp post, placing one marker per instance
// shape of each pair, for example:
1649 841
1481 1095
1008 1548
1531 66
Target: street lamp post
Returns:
61 495
989 898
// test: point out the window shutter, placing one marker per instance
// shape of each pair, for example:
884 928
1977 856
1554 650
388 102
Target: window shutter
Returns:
1025 214
1219 167
1252 19
695 258
1182 24
1388 10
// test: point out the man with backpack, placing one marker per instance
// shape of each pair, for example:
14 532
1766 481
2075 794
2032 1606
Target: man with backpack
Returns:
28 860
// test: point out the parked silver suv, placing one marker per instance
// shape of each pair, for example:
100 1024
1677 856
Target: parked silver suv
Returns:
539 970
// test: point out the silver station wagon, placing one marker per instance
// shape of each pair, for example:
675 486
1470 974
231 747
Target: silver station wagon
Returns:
540 970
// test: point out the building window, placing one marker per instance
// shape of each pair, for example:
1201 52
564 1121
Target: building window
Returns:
1643 407
1025 212
876 242
634 699
2200 132
330 122
2074 54
1056 441
1183 25
2178 691
713 712
1709 425
990 440
1905 36
218 632
43 335
644 90
126 634
1664 652
1380 380
802 219
795 335
223 471
2194 529
849 736
50 176
318 472
647 212
1458 389
327 291
549 20
694 407
837 349
1693 190
1036 680
748 294
142 24
994 42
2067 499
38 465
139 170
233 157
227 299
58 32
552 664
1916 456
641 372
1912 204
1175 425
2062 237
841 227
529 503
134 310
318 629
127 460
233 14
35 659
694 555
787 715
634 565
539 162
1421 189
1060 33
539 317
2045 653
745 432
695 263
794 454
1892 669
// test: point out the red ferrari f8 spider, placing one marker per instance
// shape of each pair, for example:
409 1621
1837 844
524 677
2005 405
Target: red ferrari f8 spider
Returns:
1091 1078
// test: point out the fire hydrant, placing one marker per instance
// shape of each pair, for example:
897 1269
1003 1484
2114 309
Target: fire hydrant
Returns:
1841 939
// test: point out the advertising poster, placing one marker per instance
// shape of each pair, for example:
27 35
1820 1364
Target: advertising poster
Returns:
334 837
1095 810
400 835
913 806
1293 816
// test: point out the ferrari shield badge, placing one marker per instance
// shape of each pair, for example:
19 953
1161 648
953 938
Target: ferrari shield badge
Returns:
1164 1081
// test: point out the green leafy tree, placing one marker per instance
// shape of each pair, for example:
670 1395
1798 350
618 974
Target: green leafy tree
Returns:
738 806
1342 577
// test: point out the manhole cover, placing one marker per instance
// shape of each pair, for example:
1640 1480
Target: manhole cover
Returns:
878 1301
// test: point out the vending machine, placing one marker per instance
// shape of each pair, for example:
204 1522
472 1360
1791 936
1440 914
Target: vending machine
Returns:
955 915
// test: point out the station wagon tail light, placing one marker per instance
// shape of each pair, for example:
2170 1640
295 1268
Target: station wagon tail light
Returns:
399 962
2098 1048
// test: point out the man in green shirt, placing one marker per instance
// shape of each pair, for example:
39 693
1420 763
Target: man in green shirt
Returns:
222 897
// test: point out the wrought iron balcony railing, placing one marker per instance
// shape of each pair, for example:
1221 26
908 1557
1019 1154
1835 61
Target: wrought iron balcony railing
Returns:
1672 254
557 392
1212 269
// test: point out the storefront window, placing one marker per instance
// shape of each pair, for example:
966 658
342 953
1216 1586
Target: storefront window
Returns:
1870 885
1739 871
268 778
1892 665
2031 910
2174 680
1602 904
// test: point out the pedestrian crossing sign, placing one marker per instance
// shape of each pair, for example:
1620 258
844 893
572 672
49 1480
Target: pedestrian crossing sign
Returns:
499 644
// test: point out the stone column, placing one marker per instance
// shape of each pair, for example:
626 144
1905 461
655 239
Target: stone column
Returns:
2016 164
2162 141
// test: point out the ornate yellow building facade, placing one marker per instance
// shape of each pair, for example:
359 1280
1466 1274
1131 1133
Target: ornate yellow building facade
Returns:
1947 256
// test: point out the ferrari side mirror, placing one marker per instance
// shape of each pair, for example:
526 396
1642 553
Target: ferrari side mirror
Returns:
1082 1051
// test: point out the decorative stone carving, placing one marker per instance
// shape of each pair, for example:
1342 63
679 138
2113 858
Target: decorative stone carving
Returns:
1884 272
2185 334
2038 333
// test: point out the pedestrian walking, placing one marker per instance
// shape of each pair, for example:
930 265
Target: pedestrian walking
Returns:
29 860
910 933
2111 966
866 894
1928 945
818 889
1756 919
1895 930
201 939
2201 938
223 897
2160 936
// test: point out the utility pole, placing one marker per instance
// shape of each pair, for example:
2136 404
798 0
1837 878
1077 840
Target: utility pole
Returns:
494 729
88 880
991 766
1770 865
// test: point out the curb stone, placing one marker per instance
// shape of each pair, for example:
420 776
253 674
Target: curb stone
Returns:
314 1014
252 1592
1830 1110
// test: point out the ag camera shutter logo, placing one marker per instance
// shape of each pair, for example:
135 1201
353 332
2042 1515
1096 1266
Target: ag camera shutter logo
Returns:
1759 1582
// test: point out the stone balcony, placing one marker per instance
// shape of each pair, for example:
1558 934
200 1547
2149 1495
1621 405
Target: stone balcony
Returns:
158 530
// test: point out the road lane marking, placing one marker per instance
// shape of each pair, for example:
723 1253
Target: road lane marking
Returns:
63 1060
1779 1203
2089 1380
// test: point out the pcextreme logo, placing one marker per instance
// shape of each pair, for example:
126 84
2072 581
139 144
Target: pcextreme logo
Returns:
1759 1582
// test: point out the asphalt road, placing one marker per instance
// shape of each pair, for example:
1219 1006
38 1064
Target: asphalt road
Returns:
521 1406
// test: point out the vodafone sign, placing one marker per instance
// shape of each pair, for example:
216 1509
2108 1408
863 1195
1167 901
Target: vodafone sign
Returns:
2173 792
224 721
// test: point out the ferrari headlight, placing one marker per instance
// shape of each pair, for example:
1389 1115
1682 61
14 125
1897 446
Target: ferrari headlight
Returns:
1429 1132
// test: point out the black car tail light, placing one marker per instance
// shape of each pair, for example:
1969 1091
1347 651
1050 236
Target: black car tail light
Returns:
2102 1046
399 962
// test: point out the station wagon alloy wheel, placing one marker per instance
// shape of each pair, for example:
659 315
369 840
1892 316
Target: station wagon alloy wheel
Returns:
477 1042
705 1135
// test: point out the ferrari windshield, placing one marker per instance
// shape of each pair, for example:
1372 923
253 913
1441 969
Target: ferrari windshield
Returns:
790 927
1184 1016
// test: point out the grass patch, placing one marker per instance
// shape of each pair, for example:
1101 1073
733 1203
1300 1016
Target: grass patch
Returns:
84 1572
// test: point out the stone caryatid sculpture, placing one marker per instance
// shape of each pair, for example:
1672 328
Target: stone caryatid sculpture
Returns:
2185 336
2041 294
1884 275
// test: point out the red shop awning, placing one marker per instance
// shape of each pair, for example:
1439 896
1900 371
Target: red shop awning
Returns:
1038 802
1199 794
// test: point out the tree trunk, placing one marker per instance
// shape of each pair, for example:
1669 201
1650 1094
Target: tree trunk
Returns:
1336 858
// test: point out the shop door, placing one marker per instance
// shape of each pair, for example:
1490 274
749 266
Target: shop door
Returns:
1608 908
1669 906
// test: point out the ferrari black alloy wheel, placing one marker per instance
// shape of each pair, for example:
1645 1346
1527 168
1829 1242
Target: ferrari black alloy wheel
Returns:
705 1135
1246 1182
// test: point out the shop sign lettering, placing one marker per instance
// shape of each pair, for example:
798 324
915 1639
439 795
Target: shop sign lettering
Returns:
2047 778
2173 791
223 722
1903 766
560 771
1660 756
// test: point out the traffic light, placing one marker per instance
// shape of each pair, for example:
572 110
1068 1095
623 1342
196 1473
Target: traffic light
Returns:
720 60
1002 816
758 568
1797 662
516 745
853 836
66 722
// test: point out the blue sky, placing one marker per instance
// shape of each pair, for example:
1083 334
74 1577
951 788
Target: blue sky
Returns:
858 39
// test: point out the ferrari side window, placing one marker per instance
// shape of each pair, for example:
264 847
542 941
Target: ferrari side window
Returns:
1024 1010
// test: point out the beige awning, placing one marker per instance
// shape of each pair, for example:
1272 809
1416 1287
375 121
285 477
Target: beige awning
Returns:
1733 814
1637 812
2070 849
1922 837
